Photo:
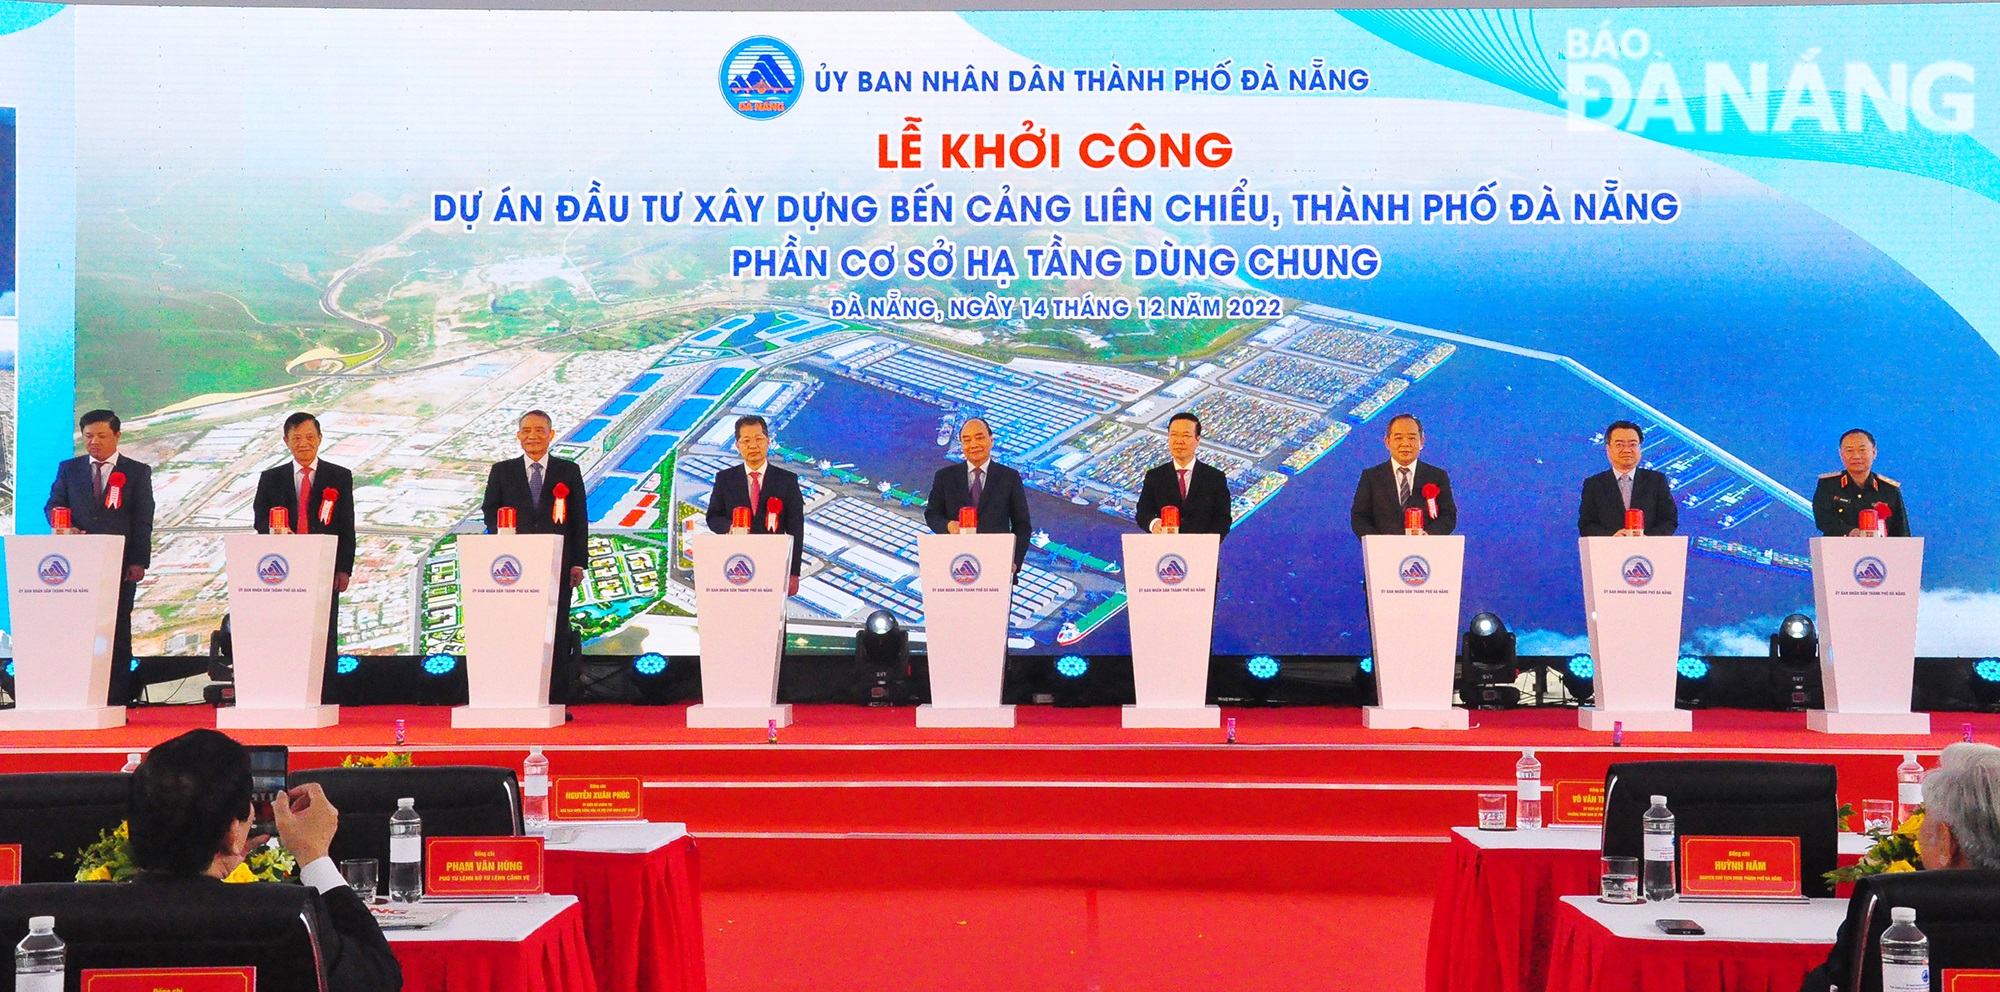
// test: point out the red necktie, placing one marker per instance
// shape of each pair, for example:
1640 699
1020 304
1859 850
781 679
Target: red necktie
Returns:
756 490
1183 474
305 499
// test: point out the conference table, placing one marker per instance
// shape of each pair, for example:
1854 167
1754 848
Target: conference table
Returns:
1493 925
624 913
1748 947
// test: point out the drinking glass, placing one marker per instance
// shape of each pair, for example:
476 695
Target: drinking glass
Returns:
363 876
1492 811
1877 814
1620 881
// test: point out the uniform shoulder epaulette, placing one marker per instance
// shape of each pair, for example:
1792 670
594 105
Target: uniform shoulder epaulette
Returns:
1829 475
1883 478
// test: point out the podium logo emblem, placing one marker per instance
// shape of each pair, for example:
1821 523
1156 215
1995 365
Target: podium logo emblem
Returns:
1638 571
1414 571
273 569
53 571
1870 572
965 570
739 570
506 570
1172 570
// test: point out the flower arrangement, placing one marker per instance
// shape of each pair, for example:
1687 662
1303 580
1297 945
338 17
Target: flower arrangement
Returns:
109 859
387 759
1892 851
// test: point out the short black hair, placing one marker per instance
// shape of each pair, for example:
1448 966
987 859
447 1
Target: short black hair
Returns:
301 417
184 798
1189 417
982 423
544 414
100 417
1856 430
1411 417
751 420
1624 425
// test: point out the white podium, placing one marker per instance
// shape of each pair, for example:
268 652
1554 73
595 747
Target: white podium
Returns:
1170 586
1413 585
968 589
64 595
1632 589
509 586
740 585
280 596
1865 591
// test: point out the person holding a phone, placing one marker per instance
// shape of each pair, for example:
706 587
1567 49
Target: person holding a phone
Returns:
191 815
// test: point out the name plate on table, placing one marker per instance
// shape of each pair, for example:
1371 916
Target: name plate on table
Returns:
483 866
1971 980
1746 868
169 980
1577 803
594 798
10 864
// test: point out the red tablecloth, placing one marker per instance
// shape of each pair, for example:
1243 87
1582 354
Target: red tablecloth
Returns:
641 915
1495 915
552 959
1588 957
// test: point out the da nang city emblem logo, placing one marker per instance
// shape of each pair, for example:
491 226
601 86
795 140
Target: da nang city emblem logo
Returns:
738 570
965 570
1414 571
272 569
1638 571
506 570
1172 570
762 77
53 570
1870 572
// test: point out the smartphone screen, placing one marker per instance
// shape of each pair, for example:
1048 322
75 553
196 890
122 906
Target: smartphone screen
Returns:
269 764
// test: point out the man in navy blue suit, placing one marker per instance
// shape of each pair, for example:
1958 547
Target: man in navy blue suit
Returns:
991 488
547 497
319 496
109 493
1607 495
756 484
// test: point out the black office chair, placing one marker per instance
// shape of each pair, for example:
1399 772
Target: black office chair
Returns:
1730 799
274 928
1958 911
53 815
454 801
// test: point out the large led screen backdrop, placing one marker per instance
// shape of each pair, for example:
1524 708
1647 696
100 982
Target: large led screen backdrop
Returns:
1747 229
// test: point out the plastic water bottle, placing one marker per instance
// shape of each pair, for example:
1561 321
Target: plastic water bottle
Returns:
1906 954
1909 786
1659 870
38 958
535 793
406 853
132 762
1528 792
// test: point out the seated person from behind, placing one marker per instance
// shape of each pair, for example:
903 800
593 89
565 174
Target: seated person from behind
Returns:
190 826
1960 829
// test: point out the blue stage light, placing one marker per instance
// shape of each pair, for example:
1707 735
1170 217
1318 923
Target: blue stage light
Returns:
1072 666
1264 666
1692 667
440 664
650 663
1988 669
346 664
135 664
10 669
1368 665
1582 667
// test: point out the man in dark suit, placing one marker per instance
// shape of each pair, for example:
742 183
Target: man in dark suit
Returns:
546 495
319 498
1387 490
754 484
1607 495
108 493
1199 490
1841 496
993 489
190 827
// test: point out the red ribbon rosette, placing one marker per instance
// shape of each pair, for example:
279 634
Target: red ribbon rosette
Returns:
114 491
326 501
562 502
1431 491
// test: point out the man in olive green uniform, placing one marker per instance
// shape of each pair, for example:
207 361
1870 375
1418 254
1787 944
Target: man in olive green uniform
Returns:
1841 496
